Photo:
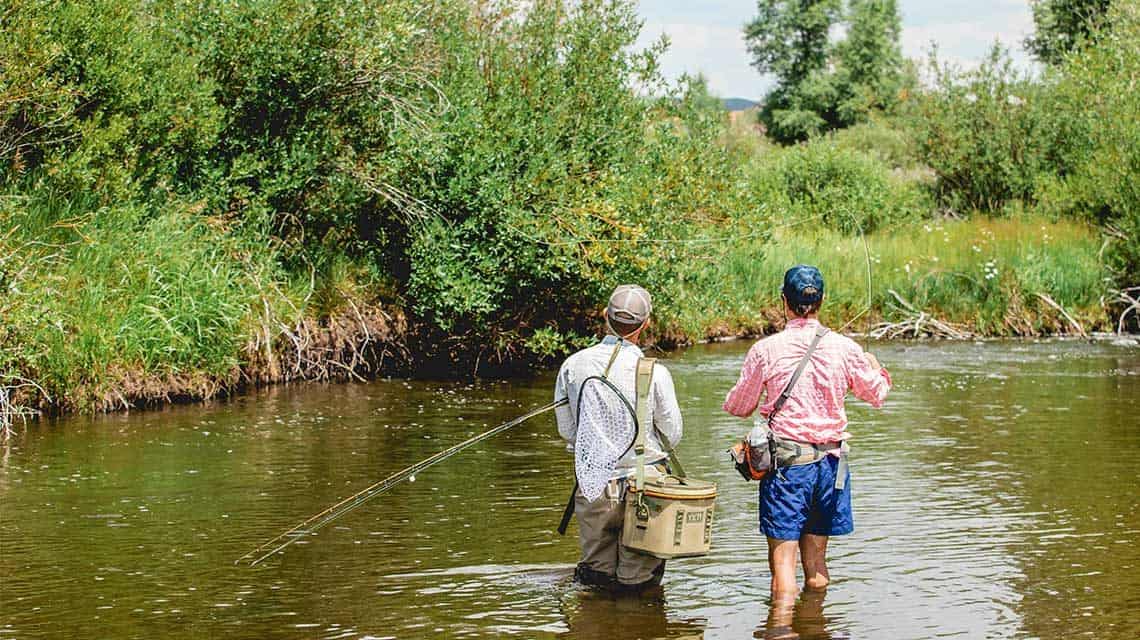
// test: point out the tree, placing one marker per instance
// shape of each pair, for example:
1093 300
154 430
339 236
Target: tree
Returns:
1062 26
820 86
789 39
870 59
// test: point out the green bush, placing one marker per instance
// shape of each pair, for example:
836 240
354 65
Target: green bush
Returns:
986 133
881 139
847 190
98 101
580 182
1098 179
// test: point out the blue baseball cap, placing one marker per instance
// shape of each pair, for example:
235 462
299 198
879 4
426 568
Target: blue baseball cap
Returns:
803 284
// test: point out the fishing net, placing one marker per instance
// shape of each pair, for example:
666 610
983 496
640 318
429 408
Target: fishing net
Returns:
606 429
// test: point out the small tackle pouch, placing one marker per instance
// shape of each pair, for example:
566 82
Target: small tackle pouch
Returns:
671 515
752 456
755 455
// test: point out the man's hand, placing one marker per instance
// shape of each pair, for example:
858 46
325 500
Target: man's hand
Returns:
872 360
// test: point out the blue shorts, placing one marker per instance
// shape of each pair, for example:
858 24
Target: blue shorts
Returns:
805 500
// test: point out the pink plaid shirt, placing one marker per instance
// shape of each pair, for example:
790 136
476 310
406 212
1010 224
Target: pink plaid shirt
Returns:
814 411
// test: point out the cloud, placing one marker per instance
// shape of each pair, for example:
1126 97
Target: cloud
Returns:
707 36
717 51
966 42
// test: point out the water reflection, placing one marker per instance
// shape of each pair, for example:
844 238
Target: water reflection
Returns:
803 619
592 614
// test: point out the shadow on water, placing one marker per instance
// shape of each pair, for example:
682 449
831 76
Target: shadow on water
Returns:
591 614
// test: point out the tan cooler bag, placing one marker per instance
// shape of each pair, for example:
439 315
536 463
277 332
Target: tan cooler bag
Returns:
670 516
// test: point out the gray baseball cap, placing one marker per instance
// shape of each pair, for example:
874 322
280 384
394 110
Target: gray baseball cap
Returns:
629 304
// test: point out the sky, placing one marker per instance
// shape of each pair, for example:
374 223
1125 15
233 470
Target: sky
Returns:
707 36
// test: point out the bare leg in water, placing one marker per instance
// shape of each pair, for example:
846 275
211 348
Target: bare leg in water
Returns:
782 554
782 561
813 556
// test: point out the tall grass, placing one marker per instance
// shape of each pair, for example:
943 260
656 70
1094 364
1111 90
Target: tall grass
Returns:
982 274
116 298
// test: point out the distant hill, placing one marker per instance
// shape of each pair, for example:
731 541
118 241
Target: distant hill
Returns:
738 104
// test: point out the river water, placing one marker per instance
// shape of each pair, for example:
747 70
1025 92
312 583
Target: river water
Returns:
995 497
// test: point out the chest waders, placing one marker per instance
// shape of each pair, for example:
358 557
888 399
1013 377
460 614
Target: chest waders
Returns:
568 512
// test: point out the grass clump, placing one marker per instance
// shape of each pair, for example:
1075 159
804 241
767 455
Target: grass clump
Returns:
122 298
849 191
983 276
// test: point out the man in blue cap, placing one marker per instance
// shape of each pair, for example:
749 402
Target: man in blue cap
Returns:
803 374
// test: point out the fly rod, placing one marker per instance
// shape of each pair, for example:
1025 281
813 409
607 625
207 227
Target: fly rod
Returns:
309 526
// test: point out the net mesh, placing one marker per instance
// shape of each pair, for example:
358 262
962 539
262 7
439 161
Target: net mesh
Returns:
606 428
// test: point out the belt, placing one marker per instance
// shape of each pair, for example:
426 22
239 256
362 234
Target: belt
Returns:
792 453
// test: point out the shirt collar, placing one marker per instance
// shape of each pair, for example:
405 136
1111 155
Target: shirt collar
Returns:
611 340
799 323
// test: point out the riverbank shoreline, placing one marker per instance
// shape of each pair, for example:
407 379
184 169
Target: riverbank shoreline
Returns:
373 345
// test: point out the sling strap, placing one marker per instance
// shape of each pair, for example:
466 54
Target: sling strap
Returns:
819 333
643 388
841 471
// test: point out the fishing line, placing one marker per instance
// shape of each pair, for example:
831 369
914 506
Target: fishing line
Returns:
577 241
315 522
867 254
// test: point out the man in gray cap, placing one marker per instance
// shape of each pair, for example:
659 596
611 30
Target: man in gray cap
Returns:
598 426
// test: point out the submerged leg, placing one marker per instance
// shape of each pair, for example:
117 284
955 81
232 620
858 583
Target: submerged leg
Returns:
597 541
813 555
782 562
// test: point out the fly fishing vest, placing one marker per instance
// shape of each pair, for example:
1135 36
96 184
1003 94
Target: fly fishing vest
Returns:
669 516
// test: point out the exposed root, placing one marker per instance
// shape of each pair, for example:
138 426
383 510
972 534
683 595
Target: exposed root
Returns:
1053 303
917 324
352 345
355 344
1017 318
13 408
1130 297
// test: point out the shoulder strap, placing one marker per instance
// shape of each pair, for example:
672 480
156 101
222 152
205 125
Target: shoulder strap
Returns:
644 419
819 333
613 356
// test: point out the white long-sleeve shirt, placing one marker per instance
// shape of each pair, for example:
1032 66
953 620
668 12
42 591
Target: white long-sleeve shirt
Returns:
662 398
